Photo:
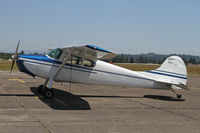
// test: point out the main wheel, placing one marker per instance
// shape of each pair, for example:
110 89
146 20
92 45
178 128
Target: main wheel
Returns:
179 96
40 89
48 93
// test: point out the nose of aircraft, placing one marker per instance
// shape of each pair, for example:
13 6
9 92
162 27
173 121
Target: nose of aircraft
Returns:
22 67
20 64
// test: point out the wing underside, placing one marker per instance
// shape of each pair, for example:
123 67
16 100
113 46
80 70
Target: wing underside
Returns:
89 51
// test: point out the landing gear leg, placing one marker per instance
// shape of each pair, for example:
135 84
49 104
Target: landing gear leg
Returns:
179 96
41 88
46 89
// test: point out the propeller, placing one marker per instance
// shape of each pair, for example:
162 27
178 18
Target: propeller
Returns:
15 56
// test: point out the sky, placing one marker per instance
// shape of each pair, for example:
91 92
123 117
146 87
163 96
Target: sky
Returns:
122 26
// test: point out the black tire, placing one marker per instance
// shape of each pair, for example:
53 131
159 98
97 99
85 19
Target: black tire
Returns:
48 93
40 89
179 96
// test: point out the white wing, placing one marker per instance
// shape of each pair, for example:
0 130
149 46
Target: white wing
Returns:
89 51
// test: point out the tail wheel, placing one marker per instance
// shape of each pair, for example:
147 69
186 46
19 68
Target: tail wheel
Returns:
48 93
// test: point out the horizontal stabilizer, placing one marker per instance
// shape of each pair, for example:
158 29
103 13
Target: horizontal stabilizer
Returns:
181 86
174 86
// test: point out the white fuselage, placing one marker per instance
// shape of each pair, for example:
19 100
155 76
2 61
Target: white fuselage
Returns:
102 73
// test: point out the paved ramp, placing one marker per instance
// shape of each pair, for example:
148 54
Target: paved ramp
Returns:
92 108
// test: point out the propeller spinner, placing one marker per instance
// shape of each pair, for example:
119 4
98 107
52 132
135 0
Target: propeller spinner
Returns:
15 56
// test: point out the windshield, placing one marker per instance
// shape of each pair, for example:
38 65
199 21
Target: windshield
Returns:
55 53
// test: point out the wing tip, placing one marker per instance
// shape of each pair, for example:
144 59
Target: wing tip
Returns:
98 48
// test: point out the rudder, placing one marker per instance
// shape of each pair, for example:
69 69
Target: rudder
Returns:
172 70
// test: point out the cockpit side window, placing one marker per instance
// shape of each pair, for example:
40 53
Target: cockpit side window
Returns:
88 63
55 53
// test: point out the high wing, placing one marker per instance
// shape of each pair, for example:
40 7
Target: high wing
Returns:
90 52
101 53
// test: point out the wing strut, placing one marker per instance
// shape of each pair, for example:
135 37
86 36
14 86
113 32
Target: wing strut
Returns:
50 81
60 68
46 89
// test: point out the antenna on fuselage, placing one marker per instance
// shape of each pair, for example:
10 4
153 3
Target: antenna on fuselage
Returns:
75 42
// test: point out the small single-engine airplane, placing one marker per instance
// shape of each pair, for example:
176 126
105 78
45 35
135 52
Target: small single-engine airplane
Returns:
82 64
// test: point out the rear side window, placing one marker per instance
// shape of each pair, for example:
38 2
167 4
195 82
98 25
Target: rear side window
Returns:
80 61
75 60
88 63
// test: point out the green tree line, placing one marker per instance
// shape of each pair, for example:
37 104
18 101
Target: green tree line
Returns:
5 56
124 58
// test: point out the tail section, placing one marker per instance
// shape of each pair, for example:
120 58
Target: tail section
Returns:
172 71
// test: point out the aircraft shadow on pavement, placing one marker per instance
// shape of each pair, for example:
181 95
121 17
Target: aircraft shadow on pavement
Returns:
165 98
18 95
63 100
102 96
157 97
82 103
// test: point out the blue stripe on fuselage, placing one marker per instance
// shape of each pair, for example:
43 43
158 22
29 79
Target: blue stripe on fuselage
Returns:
44 58
40 58
175 76
170 72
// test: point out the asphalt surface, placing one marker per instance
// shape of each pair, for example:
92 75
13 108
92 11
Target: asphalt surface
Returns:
95 109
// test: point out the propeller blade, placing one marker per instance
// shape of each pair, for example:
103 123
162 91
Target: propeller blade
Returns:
15 56
16 51
13 62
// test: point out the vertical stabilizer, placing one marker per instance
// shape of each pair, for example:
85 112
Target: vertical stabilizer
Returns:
173 71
